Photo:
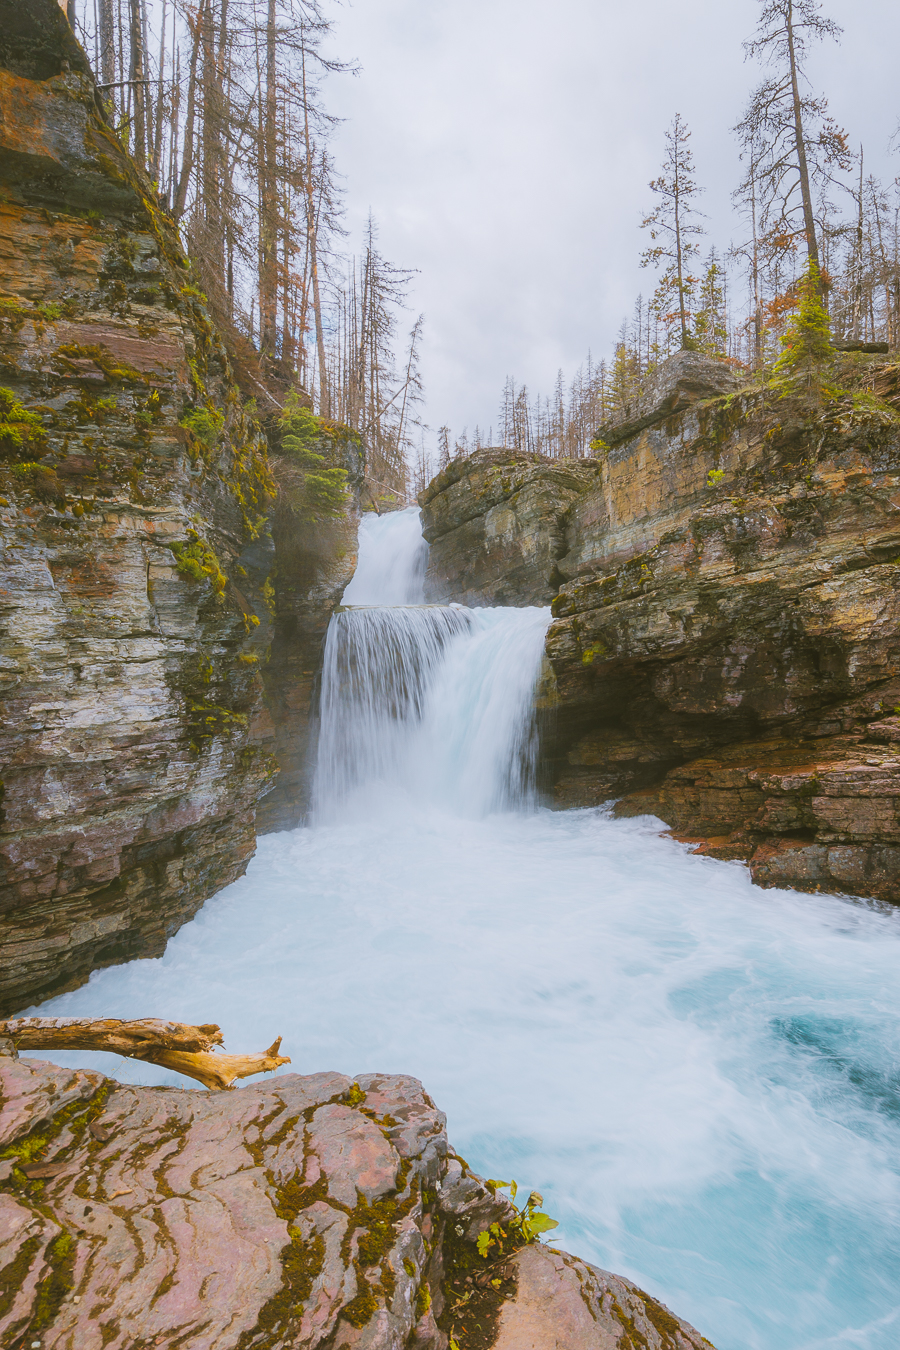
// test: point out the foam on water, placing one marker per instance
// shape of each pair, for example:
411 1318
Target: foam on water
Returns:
700 1076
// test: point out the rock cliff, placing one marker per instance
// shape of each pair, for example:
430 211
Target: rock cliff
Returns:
725 639
320 1211
137 589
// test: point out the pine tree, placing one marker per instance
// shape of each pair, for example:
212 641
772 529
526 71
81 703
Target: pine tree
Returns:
807 348
673 222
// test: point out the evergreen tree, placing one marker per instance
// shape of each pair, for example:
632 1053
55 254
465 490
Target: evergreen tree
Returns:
673 222
807 348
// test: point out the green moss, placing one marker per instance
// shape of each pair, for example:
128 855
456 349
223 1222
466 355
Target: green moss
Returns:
363 1307
13 1275
77 1115
590 654
21 431
196 560
113 368
52 1289
12 314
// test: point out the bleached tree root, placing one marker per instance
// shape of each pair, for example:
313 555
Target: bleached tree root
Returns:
174 1045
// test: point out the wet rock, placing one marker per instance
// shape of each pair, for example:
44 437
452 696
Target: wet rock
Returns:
136 606
308 1211
725 651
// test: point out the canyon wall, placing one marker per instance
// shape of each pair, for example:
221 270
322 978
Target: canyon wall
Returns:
143 580
725 639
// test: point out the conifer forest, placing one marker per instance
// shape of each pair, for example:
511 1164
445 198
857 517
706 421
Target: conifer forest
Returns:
225 102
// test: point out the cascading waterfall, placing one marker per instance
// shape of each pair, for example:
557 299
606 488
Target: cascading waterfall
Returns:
701 1077
429 700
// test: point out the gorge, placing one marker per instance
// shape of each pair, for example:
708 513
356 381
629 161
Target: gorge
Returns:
254 771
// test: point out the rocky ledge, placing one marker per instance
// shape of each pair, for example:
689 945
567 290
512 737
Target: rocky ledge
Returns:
317 1211
155 682
726 602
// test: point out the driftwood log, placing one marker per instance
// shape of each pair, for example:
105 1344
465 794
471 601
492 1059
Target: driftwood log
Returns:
174 1045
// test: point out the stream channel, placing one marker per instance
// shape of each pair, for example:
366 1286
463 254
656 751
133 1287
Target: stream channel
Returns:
700 1076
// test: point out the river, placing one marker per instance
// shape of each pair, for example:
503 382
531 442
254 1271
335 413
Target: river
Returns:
700 1076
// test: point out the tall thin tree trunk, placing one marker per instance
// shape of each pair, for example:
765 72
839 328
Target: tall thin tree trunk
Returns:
268 203
809 220
107 42
312 236
136 76
187 159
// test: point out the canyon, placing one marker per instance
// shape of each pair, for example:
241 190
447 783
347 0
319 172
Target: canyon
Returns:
724 653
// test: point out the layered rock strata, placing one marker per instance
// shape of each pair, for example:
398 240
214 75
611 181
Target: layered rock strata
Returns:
317 1211
136 597
725 639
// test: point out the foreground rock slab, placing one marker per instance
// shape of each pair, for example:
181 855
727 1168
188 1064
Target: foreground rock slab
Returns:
315 1211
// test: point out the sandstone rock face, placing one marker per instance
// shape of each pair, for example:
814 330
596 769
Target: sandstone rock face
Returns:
725 639
496 526
306 1211
562 1302
135 599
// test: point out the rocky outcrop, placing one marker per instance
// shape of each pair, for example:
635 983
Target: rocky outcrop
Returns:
314 561
496 527
725 639
320 1211
136 596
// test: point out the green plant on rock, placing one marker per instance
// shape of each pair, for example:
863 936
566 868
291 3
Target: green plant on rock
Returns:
38 479
317 487
195 559
524 1228
205 423
807 348
20 430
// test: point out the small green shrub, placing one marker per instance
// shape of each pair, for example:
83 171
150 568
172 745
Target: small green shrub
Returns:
20 430
206 424
311 445
196 560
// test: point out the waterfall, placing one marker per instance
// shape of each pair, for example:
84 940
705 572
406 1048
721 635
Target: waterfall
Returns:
428 701
700 1076
392 558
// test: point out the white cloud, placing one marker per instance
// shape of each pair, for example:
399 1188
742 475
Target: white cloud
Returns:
505 149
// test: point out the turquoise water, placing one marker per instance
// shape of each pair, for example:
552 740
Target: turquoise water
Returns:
701 1077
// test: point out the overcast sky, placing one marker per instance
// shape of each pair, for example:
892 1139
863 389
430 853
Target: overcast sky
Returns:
505 148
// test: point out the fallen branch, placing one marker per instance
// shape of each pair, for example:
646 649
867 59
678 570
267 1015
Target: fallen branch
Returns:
173 1045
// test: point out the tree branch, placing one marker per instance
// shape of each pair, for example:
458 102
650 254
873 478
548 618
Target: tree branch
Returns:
173 1045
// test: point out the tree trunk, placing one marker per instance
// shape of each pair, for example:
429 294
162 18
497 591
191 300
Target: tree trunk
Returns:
809 221
136 76
107 43
268 202
187 159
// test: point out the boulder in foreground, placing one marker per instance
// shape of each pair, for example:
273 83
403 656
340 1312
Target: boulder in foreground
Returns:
319 1211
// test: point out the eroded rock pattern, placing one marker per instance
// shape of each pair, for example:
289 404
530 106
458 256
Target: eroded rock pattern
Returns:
133 488
726 635
305 1211
139 546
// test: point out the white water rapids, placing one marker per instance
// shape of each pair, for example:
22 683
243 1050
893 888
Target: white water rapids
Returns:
700 1076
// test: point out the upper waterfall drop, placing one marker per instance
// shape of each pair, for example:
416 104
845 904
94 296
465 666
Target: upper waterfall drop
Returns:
392 559
431 702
